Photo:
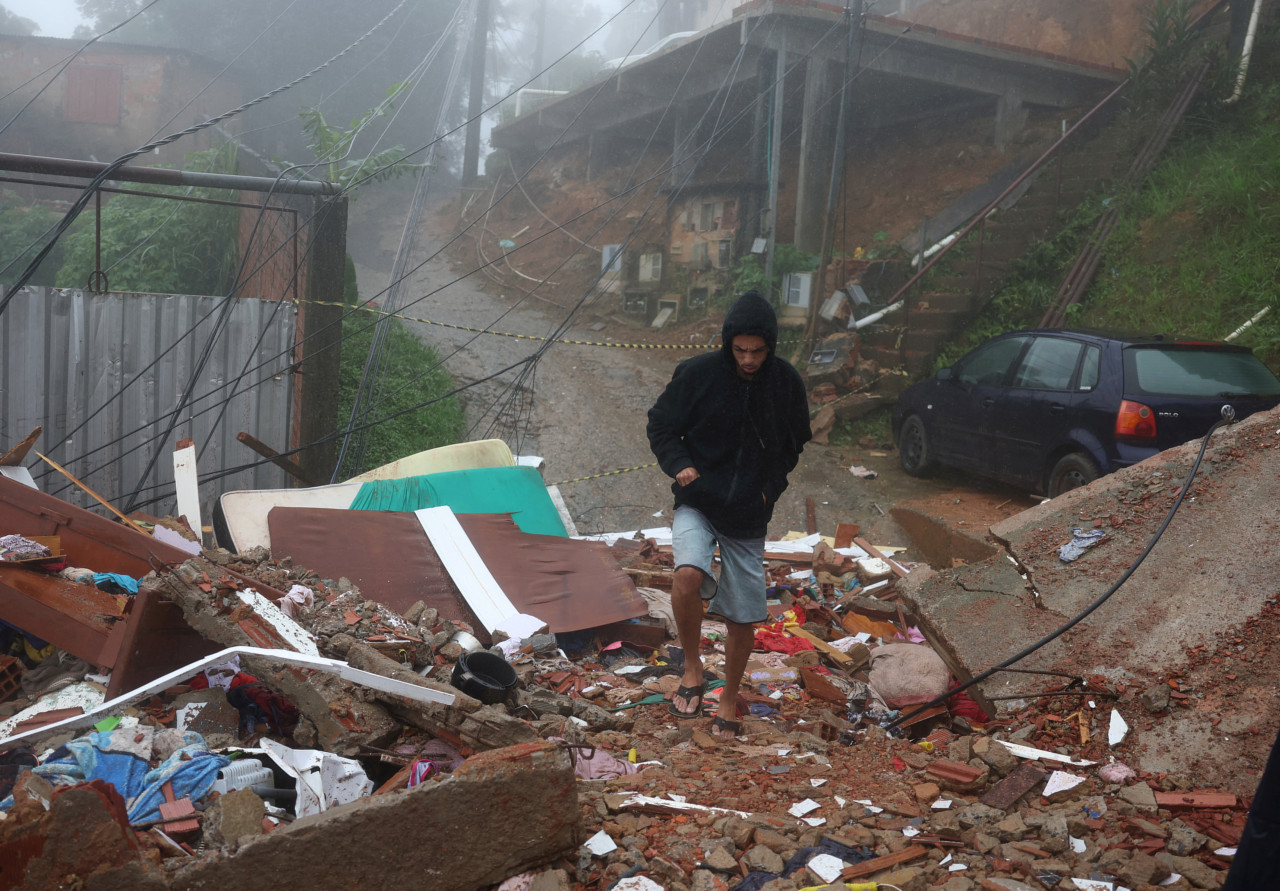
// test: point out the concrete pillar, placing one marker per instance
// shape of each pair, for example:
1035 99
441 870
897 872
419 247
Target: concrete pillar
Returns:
775 155
318 355
1011 117
684 147
599 153
750 222
817 147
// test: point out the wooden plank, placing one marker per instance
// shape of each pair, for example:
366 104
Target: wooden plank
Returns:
844 660
845 534
474 580
888 861
186 480
875 552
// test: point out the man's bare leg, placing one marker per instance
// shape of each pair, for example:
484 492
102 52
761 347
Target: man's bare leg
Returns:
686 605
737 649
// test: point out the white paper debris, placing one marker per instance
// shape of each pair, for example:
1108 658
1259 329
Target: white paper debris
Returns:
956 867
1077 845
600 844
1097 885
782 753
910 831
945 860
941 804
1040 754
1225 852
630 669
678 798
840 802
804 807
1118 729
845 644
814 821
869 806
826 867
1060 781
324 780
1172 879
637 883
815 782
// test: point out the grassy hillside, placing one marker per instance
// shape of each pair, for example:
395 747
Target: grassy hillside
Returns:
1197 251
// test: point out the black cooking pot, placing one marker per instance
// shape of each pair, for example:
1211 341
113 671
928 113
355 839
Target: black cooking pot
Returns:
484 676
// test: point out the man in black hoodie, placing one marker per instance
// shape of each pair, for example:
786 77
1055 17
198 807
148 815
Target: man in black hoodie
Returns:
728 428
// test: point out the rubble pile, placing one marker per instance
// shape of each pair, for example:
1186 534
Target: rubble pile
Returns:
835 778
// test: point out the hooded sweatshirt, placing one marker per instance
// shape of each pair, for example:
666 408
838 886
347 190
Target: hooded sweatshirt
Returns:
742 436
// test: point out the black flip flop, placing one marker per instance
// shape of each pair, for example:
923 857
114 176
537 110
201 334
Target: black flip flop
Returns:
687 693
720 724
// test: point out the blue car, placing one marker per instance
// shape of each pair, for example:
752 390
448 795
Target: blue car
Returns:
1051 410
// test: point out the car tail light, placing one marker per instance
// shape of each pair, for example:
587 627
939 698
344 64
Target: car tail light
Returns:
1135 421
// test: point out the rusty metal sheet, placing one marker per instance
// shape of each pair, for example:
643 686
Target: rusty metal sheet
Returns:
569 584
149 640
384 553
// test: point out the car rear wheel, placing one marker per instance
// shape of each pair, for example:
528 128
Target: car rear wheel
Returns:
913 447
1071 472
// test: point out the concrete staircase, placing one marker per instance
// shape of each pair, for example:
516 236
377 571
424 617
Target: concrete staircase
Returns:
950 294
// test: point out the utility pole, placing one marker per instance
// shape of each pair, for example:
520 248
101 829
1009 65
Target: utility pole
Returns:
540 46
775 157
853 25
479 48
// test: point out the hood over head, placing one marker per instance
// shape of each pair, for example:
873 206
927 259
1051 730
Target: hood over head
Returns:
750 314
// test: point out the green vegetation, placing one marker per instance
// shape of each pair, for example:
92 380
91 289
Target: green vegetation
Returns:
332 146
412 375
1196 253
160 246
748 273
22 225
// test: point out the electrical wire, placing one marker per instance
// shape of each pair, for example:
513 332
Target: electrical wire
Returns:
566 321
1228 417
67 62
119 162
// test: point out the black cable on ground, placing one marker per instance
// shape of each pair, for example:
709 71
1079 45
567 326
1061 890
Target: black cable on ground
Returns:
1228 417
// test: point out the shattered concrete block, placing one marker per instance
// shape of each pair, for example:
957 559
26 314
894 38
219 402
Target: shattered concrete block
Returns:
908 878
343 721
467 722
501 813
1140 796
1183 841
1197 873
233 816
83 838
1001 761
759 858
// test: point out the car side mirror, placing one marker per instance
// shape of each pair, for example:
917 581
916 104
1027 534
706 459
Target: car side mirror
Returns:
944 374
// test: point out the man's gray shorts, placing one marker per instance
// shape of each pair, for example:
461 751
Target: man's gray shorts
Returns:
740 594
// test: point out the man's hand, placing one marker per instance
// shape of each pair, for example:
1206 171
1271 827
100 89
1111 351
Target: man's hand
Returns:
686 476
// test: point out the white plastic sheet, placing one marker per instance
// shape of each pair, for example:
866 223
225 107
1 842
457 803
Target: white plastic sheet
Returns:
324 779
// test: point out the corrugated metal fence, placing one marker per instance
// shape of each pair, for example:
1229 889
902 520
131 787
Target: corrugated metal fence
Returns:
101 373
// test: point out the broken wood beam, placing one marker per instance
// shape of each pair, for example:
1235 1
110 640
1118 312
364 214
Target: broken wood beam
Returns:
290 467
875 552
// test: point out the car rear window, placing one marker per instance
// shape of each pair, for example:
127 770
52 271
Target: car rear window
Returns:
1197 372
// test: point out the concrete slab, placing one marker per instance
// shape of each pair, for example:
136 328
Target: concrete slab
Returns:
1213 570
